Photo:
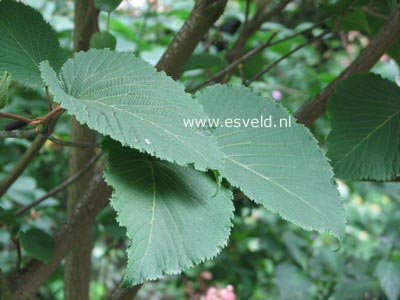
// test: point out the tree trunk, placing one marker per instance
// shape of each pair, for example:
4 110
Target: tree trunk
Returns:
78 262
204 14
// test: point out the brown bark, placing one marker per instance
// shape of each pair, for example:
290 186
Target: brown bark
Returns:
78 261
387 36
125 294
204 14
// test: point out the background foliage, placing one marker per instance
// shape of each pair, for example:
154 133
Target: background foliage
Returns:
266 258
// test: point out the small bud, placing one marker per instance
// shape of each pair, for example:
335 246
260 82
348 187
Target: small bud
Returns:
5 82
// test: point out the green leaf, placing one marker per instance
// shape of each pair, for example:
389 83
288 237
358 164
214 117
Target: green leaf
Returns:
26 39
170 212
281 168
365 136
7 217
103 40
38 244
203 61
353 20
388 274
107 5
124 97
252 66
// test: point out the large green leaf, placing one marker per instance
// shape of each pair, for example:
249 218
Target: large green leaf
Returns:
388 274
124 97
173 214
364 141
26 39
281 168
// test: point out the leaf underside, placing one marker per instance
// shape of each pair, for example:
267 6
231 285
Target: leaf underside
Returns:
125 98
281 168
365 138
26 41
170 213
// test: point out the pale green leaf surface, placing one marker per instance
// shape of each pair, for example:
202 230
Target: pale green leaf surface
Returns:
125 98
365 136
170 213
26 39
281 168
388 274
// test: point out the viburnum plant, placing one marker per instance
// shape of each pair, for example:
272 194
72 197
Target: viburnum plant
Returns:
173 185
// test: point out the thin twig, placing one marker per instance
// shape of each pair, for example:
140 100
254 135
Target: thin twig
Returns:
54 113
26 159
33 132
246 13
14 125
60 187
4 115
374 13
263 14
17 245
296 34
48 96
18 134
108 21
217 77
241 73
386 37
21 165
72 144
145 19
268 68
